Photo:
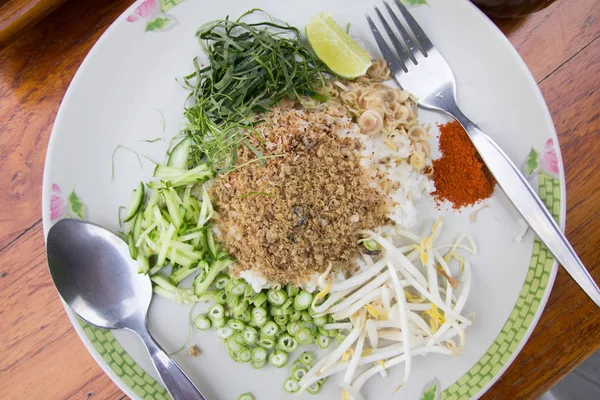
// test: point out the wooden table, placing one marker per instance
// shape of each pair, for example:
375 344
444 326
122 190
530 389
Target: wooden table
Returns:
41 355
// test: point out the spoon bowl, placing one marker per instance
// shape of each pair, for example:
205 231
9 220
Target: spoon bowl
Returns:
97 278
95 275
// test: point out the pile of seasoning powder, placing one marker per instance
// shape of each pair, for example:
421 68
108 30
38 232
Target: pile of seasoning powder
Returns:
460 175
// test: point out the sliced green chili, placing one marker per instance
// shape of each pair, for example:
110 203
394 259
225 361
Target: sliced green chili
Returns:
220 281
202 323
258 364
224 332
216 312
259 354
259 316
290 386
287 343
269 329
245 355
307 358
278 358
232 345
314 388
281 320
303 300
294 327
299 373
323 341
266 342
276 297
236 325
250 335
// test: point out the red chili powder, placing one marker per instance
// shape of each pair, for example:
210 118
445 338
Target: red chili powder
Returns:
460 175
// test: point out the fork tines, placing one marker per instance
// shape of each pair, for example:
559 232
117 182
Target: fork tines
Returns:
407 48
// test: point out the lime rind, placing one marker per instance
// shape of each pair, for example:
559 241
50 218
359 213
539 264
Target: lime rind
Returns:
335 48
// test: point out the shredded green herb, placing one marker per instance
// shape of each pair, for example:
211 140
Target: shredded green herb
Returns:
149 159
162 120
191 324
252 161
119 215
251 67
112 160
151 140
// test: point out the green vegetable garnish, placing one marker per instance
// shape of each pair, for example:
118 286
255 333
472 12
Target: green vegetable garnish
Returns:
202 322
112 159
290 386
251 67
307 358
278 358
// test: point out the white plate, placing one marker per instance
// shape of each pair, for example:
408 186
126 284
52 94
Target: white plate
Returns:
128 80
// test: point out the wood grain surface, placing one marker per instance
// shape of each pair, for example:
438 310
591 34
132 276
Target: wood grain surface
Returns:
43 358
17 14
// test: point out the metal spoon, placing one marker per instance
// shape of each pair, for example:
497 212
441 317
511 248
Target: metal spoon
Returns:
97 278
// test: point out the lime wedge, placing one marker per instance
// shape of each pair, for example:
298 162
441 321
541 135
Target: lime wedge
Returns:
335 48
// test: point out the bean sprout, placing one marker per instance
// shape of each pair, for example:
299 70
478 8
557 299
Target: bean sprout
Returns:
405 296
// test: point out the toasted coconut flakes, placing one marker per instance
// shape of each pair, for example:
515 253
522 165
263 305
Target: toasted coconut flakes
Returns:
320 197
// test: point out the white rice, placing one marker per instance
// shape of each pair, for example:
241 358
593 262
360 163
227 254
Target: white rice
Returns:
379 158
255 279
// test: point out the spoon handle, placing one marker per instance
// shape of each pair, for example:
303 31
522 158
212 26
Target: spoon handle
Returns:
177 383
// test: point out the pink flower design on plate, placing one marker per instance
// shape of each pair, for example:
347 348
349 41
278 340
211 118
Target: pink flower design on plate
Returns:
143 11
57 203
550 159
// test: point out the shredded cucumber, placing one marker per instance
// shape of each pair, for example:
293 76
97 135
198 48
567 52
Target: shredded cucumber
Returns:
137 198
180 154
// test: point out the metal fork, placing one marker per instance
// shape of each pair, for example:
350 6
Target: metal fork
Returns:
418 67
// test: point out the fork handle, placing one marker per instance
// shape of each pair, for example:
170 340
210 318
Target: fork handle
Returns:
528 203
